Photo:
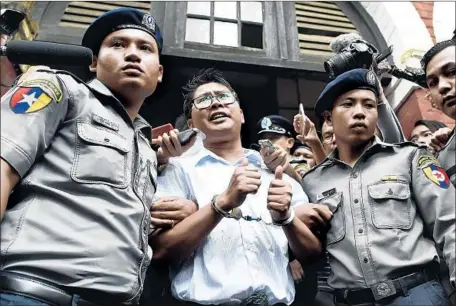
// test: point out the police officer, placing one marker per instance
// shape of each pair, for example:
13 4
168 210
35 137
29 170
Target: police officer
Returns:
279 130
81 173
439 64
385 198
302 157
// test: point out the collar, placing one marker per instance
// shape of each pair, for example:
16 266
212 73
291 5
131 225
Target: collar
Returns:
377 145
138 123
204 155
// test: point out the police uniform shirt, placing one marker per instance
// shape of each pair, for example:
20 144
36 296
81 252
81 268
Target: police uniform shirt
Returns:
380 208
79 217
447 157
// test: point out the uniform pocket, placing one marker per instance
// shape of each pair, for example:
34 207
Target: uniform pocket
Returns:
338 226
390 205
101 156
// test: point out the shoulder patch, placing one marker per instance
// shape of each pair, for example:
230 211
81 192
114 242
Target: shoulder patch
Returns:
437 175
29 100
48 85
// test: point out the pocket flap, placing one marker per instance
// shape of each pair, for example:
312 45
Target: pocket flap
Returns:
389 190
333 201
102 137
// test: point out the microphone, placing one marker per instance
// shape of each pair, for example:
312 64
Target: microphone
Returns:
344 40
46 53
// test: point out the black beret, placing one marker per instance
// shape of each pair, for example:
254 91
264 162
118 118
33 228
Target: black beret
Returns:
353 79
275 124
118 19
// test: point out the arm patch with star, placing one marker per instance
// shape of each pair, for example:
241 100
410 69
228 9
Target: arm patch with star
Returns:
433 171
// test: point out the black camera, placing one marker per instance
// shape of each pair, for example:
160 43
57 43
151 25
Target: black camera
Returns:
10 20
359 54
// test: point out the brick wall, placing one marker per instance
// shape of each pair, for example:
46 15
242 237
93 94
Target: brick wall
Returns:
417 107
426 11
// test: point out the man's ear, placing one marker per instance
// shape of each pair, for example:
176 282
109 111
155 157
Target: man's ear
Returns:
93 66
242 116
290 142
160 73
190 123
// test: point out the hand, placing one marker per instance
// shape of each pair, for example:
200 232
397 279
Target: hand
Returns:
297 272
31 70
245 180
307 133
440 138
3 39
277 158
170 146
313 215
168 211
279 197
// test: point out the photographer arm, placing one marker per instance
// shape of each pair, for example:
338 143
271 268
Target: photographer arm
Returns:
388 123
9 179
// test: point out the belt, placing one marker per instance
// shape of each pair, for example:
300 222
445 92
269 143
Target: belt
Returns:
38 289
385 289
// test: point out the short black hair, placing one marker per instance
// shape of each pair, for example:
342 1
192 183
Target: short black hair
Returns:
204 76
434 50
432 125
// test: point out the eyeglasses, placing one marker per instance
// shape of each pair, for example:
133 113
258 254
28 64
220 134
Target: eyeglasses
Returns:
226 98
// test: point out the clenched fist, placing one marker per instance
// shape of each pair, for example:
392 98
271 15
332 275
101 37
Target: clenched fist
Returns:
279 197
246 179
277 158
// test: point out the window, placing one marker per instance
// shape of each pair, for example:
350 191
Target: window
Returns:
233 24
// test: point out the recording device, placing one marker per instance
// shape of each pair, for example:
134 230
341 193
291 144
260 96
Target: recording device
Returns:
162 129
266 143
10 21
46 53
354 52
303 115
186 136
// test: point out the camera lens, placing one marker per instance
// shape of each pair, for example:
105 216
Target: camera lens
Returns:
340 63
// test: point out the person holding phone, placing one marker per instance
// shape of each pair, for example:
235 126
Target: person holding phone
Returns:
234 249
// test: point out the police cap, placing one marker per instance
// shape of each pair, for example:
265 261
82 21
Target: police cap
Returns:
119 19
277 125
347 81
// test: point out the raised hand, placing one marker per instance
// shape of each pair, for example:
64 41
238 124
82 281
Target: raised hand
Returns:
170 146
245 180
279 197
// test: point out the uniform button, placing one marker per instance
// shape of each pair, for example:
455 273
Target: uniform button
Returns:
366 260
106 139
390 191
354 175
356 201
360 231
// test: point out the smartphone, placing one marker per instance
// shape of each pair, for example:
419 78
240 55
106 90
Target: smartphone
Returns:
266 143
303 115
186 136
162 129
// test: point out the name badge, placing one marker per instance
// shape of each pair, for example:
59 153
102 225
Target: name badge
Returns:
105 122
326 194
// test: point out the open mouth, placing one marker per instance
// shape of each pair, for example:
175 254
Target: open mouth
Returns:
218 116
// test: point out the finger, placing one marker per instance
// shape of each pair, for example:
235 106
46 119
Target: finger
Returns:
167 142
324 212
244 162
166 206
166 215
277 207
279 173
250 188
277 198
164 148
264 152
175 141
161 223
250 181
155 141
168 199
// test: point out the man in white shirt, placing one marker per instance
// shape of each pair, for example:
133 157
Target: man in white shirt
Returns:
235 249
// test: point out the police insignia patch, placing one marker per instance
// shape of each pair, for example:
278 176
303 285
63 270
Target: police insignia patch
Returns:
266 123
149 22
29 100
437 175
370 77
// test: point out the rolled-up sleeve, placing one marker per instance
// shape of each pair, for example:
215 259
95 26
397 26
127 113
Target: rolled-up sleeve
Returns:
31 114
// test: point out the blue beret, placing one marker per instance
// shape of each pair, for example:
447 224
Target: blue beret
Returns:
353 79
119 19
275 124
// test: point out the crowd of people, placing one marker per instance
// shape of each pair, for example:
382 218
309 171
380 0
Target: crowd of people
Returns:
344 211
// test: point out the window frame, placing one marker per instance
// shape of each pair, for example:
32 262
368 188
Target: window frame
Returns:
212 19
